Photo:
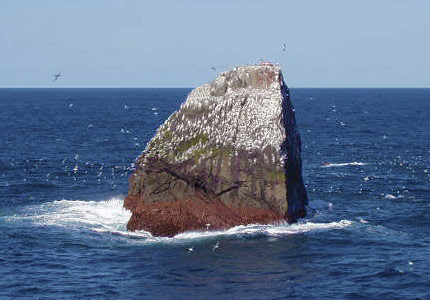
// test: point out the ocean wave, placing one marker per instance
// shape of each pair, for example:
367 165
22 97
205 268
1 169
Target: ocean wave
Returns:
392 197
108 214
110 217
270 230
354 163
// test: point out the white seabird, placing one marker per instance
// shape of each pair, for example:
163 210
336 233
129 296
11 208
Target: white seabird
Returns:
216 246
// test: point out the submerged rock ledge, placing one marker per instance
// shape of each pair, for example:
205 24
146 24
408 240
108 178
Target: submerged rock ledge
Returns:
229 156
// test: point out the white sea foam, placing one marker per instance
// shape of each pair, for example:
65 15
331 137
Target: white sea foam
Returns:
95 215
270 230
111 218
391 197
354 163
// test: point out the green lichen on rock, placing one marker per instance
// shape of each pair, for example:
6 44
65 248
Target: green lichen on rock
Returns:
166 136
278 176
185 145
211 152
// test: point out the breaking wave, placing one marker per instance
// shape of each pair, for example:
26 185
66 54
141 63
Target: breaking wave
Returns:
94 215
110 217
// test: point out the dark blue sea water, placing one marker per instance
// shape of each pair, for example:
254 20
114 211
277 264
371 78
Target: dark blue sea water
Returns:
66 155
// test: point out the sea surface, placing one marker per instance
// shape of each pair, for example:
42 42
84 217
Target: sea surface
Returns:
65 159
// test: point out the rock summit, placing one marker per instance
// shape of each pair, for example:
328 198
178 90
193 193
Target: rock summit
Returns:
229 156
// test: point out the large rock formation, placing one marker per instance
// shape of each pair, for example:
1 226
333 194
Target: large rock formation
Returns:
229 156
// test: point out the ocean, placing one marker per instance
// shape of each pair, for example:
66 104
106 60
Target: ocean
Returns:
65 159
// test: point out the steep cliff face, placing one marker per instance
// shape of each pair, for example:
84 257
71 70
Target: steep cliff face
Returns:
229 156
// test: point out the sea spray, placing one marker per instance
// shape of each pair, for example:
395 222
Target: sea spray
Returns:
109 217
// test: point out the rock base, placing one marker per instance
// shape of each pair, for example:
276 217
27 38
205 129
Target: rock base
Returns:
197 214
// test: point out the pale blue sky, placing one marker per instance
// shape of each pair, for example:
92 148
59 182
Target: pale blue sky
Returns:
330 43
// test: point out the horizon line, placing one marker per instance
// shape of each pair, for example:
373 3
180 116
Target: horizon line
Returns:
189 87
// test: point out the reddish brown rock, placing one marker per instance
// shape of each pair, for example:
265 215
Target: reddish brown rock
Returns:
229 156
170 218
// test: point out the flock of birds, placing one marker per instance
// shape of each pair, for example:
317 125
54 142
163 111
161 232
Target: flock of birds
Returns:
228 119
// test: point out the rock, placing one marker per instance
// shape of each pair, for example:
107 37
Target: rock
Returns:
229 156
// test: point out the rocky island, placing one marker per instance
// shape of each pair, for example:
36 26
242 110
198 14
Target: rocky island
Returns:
229 156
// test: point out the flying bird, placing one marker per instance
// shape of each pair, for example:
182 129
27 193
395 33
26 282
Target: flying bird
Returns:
213 68
284 47
216 246
56 76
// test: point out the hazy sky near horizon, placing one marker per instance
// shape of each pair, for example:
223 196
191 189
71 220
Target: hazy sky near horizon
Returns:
329 43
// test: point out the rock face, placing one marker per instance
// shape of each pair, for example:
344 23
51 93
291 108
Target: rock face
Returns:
229 156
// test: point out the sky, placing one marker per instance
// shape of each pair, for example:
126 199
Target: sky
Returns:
135 43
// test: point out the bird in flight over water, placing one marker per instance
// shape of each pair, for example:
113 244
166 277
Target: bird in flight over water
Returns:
56 76
216 246
284 47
